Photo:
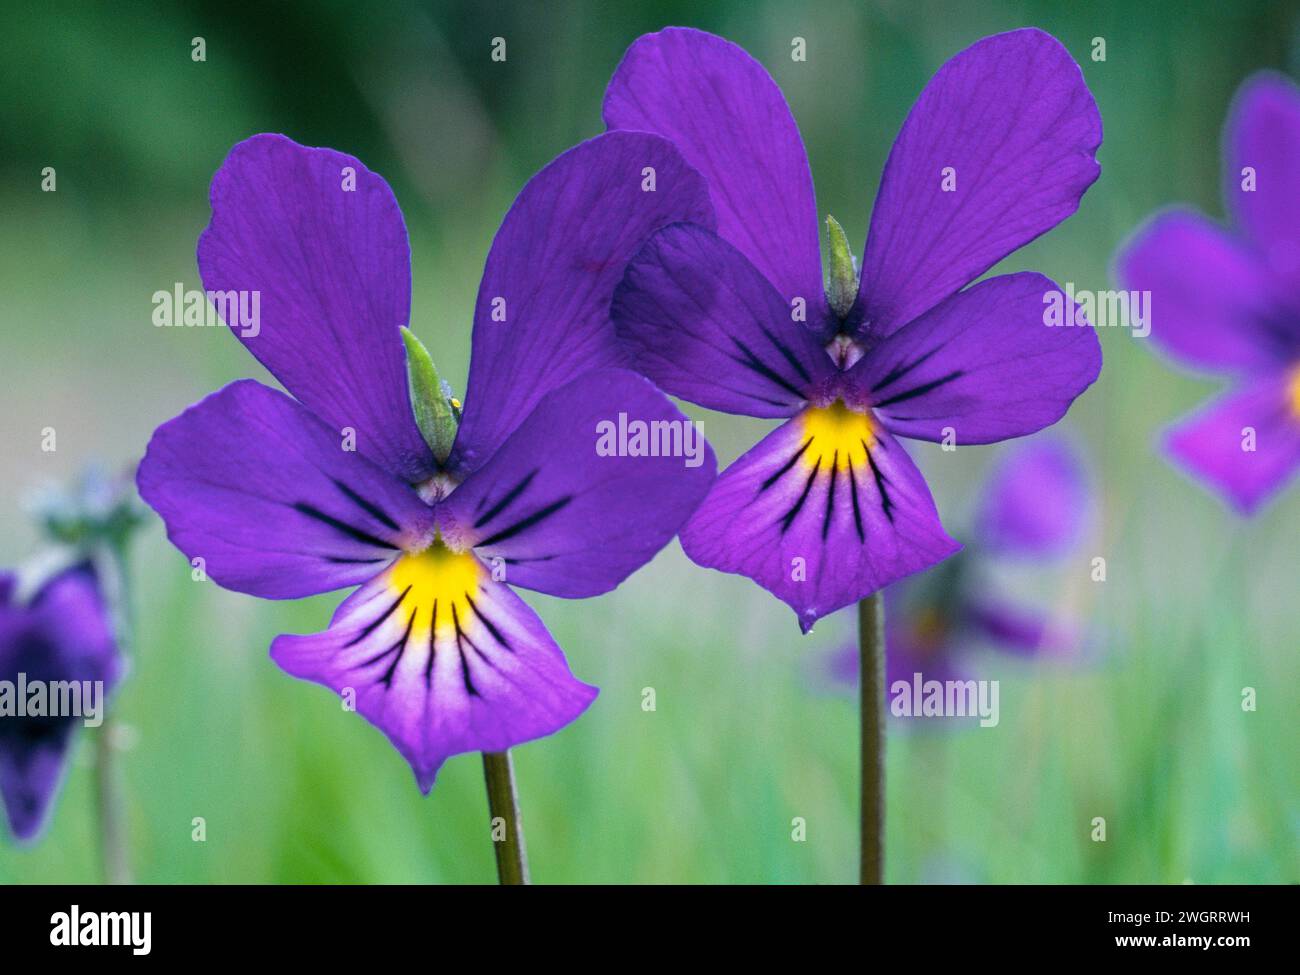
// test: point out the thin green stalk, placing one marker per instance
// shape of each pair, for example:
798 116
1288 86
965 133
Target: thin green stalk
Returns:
108 809
108 802
871 648
507 826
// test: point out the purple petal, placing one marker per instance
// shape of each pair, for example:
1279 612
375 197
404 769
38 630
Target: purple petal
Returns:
701 321
1034 502
270 498
333 269
823 511
31 773
63 635
552 271
1210 443
1213 305
443 660
1014 120
563 516
983 363
75 618
1020 630
730 120
1263 133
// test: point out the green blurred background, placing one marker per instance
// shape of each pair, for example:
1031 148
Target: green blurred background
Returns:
1146 729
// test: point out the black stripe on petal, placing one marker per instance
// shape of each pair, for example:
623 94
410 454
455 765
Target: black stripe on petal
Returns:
470 689
478 651
752 362
785 468
524 524
830 497
920 390
507 499
374 624
899 371
496 634
341 526
788 354
886 503
788 520
857 508
372 509
400 647
433 645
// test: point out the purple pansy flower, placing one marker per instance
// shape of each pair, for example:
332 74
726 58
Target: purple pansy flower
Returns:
1032 509
828 507
63 633
439 652
1229 301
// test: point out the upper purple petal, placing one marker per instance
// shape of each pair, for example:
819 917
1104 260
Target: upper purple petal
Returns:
982 363
1263 133
701 321
1034 502
542 316
320 238
272 499
557 512
730 120
1013 120
1213 304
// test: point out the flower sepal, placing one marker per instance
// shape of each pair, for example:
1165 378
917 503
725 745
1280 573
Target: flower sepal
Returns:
437 412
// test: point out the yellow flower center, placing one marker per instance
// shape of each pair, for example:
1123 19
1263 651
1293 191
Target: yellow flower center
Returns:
438 575
1293 392
837 436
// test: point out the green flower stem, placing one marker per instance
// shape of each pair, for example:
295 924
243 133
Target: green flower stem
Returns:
108 801
503 808
108 809
871 647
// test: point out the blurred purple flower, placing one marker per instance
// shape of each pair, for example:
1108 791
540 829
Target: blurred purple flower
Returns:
1032 508
267 489
828 508
1228 301
62 634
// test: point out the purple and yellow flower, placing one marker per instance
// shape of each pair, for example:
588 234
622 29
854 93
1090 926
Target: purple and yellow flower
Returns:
335 485
61 635
828 508
1228 301
1031 510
